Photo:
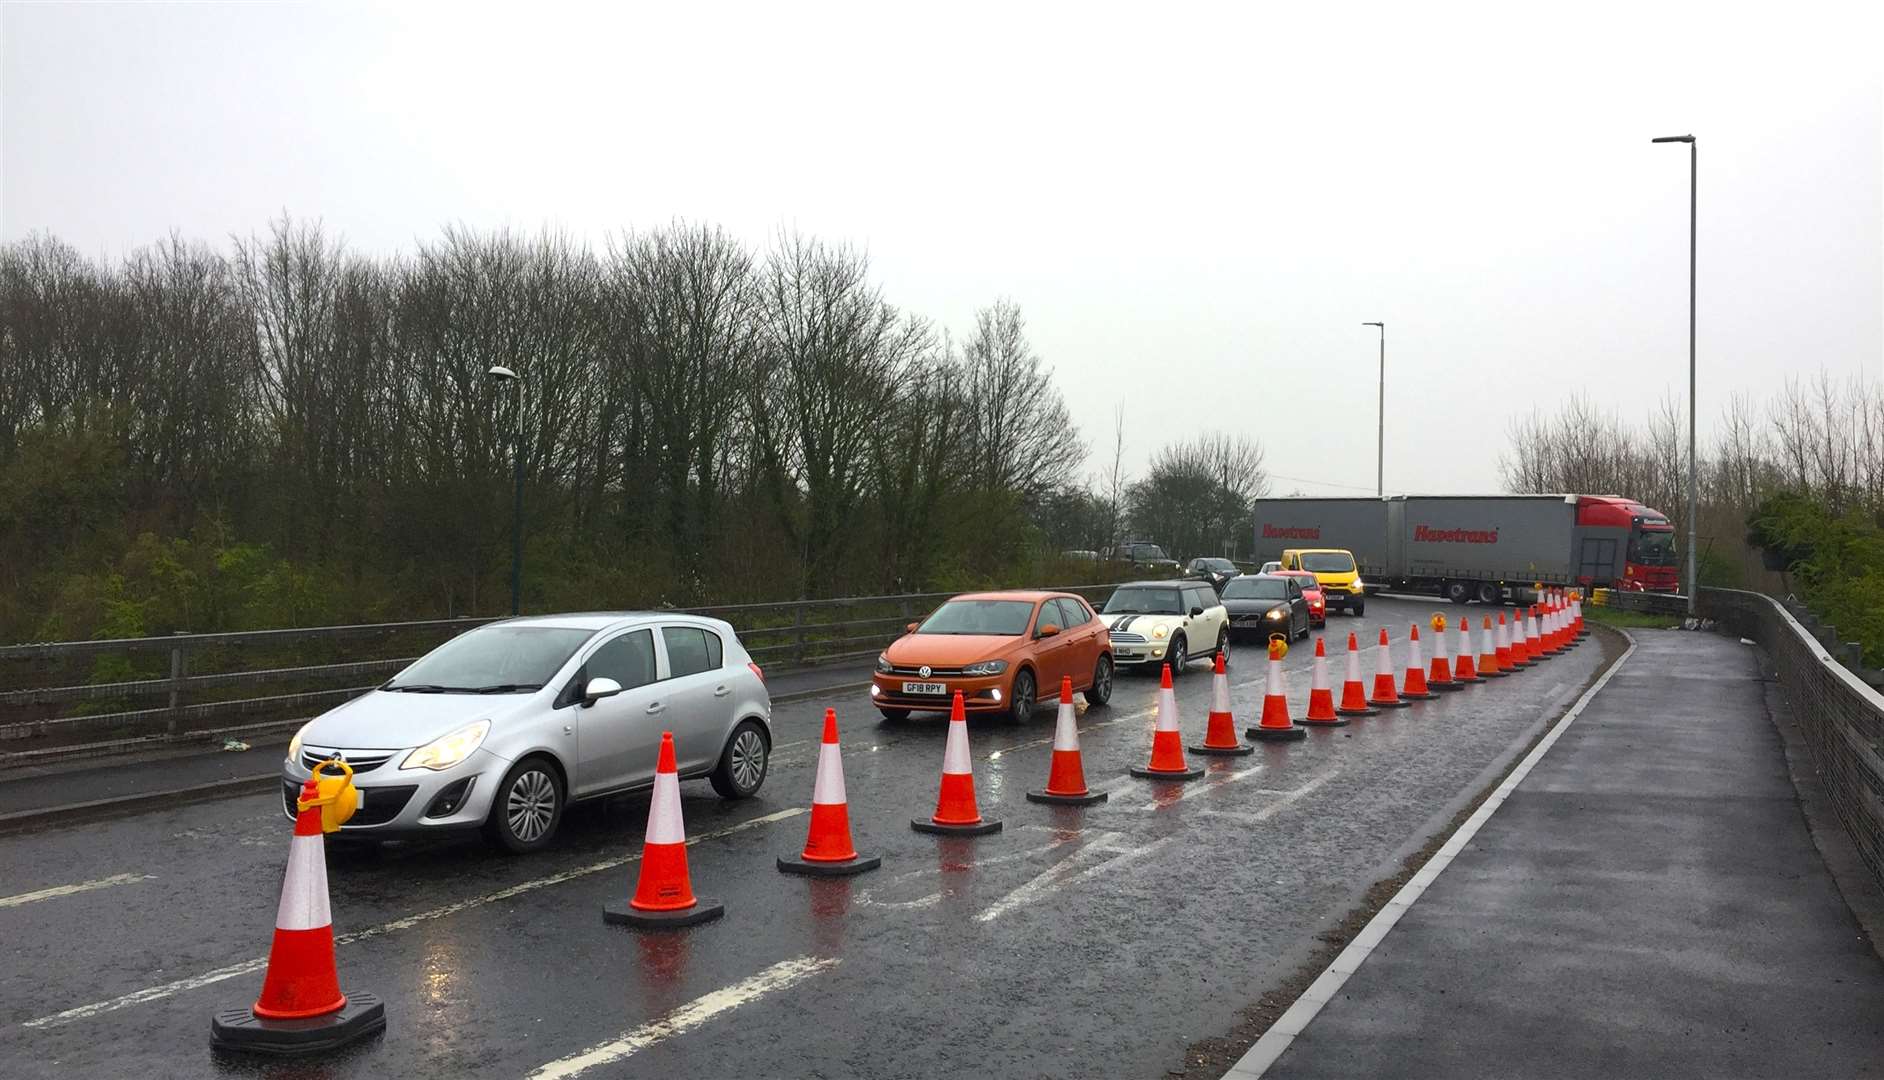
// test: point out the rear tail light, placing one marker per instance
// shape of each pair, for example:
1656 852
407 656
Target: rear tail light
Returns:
756 671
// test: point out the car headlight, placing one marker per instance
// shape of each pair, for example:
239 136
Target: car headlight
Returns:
986 667
448 750
294 744
1158 633
1275 613
1359 585
883 663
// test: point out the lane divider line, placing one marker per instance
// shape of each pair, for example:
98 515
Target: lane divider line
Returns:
1059 876
156 993
1282 1033
69 890
780 976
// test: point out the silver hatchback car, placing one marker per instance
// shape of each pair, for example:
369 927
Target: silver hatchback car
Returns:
501 727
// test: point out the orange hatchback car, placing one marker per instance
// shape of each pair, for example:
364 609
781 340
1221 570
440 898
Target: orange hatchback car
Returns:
1003 650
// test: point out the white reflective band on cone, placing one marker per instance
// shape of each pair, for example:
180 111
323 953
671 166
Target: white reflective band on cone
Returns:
1273 688
1167 711
1413 655
304 888
664 826
829 787
1220 694
1465 638
1354 665
1066 729
955 754
1439 645
1386 658
1321 674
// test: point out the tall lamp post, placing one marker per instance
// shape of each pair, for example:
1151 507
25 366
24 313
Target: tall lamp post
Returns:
1694 166
504 374
1380 438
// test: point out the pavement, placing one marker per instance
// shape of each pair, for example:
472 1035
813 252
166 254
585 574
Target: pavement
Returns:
1101 941
1647 902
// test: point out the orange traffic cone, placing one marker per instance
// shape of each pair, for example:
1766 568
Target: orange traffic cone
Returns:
1520 658
1385 695
1440 677
1466 669
1275 725
828 848
1066 779
1533 640
1576 617
1488 667
955 811
1414 685
301 1010
1507 660
1167 745
1321 709
1353 693
1220 737
663 897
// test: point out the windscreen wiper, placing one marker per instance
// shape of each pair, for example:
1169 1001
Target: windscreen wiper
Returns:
506 688
417 688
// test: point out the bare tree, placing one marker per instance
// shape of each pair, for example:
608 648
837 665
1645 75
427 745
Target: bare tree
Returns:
1021 437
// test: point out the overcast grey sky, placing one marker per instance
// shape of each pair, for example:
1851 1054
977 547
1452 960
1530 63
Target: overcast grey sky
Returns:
1196 207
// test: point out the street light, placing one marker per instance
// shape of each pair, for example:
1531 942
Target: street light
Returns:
1380 439
504 374
1694 165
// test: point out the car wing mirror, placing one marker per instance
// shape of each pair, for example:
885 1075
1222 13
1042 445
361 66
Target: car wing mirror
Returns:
598 688
911 628
1048 630
1197 612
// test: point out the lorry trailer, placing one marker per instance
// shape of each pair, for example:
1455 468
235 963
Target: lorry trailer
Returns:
1488 548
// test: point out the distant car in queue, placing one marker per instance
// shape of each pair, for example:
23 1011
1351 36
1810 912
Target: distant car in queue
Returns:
1264 604
1165 622
1003 651
1311 592
1215 571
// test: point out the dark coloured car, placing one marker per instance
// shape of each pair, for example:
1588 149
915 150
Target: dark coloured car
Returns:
1216 571
1264 604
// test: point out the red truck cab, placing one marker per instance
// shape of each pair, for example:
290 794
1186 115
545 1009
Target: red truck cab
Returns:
1650 561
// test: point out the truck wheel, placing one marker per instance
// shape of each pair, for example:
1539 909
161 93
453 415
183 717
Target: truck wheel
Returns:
1458 591
1489 593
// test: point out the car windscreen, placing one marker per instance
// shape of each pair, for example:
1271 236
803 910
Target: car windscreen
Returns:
1255 589
1654 549
491 659
1144 601
1219 565
1006 618
1328 562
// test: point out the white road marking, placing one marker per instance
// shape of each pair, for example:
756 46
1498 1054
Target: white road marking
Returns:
779 976
868 896
1060 876
1279 805
154 993
1210 783
68 890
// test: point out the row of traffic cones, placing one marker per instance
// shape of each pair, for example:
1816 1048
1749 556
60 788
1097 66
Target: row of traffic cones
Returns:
302 1010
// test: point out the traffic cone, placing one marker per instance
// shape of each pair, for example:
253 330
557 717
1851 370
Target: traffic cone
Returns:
1507 660
1321 708
1385 696
1414 685
1066 780
1167 745
828 848
1533 637
1553 629
301 1010
955 811
663 897
1275 725
1466 668
1576 614
1520 656
1220 737
1353 693
1488 666
1440 677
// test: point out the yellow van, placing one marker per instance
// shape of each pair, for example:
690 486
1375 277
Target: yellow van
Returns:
1334 569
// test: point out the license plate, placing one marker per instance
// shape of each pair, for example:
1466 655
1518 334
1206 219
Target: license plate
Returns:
924 688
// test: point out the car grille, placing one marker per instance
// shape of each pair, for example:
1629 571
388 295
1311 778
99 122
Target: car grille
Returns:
934 672
1126 639
361 761
382 803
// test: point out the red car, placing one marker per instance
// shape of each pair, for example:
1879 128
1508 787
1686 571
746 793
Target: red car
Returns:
1311 592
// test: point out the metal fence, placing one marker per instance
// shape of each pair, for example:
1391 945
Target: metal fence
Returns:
76 698
1648 603
1842 718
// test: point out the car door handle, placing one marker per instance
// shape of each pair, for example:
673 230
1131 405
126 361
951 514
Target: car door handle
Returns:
720 691
658 706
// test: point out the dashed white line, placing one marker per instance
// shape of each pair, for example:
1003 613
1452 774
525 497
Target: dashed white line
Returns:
68 890
778 977
1060 876
154 993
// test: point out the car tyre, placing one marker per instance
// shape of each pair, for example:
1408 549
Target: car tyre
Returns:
1176 657
743 762
1020 707
527 808
1360 608
1489 593
1100 691
1223 644
895 716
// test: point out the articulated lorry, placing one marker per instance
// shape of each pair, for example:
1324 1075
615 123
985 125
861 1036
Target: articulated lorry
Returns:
1489 548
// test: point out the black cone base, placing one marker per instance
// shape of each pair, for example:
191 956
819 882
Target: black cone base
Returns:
1483 675
622 913
1338 721
1085 799
1144 773
1444 687
1343 711
1424 696
1396 704
1277 734
847 868
978 828
241 1031
1221 751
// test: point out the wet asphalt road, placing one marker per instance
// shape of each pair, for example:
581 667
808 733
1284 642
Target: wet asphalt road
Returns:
1076 943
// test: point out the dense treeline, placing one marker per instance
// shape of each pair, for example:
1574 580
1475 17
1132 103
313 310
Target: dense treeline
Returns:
290 433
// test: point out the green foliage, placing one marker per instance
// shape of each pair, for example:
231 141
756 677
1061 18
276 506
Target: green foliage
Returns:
1837 563
1718 571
